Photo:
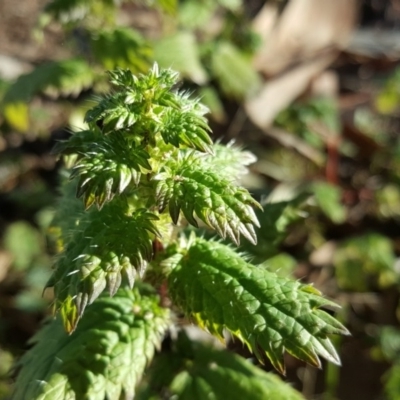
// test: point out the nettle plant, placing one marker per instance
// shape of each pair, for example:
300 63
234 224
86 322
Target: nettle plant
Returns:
132 267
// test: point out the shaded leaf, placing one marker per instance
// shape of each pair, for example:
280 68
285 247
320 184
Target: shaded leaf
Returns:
72 11
121 47
389 342
24 243
275 221
328 197
57 78
367 256
194 370
104 358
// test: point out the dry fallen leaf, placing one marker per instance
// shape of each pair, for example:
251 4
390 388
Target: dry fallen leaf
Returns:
305 28
300 44
277 94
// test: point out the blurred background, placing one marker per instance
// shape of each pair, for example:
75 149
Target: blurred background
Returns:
311 87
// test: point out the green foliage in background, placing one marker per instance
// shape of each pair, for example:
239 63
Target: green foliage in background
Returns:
102 44
194 370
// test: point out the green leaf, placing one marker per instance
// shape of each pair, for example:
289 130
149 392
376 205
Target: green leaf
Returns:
73 11
69 211
210 98
114 114
58 78
24 243
232 5
123 48
388 100
230 160
147 107
196 371
388 200
195 14
17 115
187 128
220 290
104 358
168 6
303 118
275 221
392 382
363 257
328 197
108 246
389 342
181 53
105 165
282 264
190 187
233 70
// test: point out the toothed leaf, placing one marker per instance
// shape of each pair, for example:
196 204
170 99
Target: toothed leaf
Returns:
186 128
196 371
105 164
104 358
106 247
147 106
229 160
220 290
191 187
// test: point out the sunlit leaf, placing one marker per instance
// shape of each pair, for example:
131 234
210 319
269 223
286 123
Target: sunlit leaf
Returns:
104 358
109 247
219 290
191 187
